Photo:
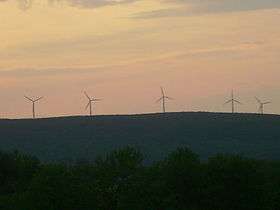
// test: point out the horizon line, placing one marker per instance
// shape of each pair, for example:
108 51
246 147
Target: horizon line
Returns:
140 114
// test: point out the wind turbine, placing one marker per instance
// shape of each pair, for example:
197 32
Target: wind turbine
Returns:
163 99
90 101
233 101
261 107
33 104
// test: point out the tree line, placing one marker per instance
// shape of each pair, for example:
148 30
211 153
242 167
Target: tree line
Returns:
120 181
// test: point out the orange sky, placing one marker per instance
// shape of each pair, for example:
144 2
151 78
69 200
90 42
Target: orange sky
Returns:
123 51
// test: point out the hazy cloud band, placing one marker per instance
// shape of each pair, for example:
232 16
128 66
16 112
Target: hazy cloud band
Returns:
200 7
26 4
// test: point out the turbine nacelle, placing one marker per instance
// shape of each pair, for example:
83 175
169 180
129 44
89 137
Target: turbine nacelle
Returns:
163 99
90 101
233 101
261 105
33 104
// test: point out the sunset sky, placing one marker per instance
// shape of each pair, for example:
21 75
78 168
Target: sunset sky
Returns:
123 50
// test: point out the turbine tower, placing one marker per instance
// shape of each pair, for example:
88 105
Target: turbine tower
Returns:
233 101
163 99
261 105
90 101
33 104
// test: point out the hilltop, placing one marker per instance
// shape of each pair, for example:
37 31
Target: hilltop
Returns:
69 138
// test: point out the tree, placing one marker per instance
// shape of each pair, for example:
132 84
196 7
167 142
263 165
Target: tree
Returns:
233 182
113 172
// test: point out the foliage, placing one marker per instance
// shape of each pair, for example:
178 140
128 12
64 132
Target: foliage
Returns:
120 181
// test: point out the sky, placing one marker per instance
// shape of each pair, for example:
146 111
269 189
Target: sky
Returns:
123 51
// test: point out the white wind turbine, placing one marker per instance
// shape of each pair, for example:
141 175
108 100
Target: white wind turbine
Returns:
163 99
261 105
33 101
233 101
90 101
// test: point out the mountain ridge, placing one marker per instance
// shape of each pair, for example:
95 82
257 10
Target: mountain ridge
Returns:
155 134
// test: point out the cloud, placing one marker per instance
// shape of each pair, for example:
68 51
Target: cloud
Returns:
23 73
225 50
97 3
201 7
238 50
26 4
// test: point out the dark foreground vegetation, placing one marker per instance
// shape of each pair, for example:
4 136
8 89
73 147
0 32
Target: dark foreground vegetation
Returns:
119 181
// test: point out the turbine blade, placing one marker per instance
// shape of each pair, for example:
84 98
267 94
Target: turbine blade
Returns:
258 100
237 101
229 101
267 102
86 95
87 105
159 100
162 91
169 98
38 99
28 98
97 99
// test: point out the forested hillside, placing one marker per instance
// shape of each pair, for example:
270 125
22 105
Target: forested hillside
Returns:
155 135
